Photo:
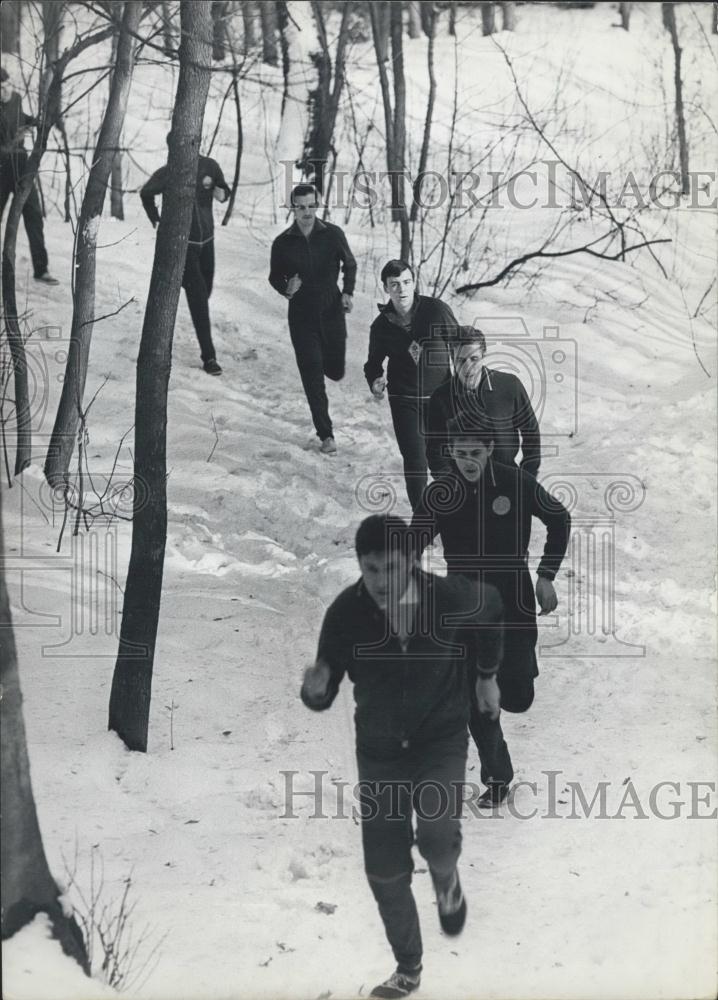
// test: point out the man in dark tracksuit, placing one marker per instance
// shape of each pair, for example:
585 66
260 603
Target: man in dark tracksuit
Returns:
304 268
13 164
198 276
483 511
414 332
408 640
473 390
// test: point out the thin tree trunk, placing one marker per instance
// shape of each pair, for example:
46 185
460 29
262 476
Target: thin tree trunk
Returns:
268 11
508 15
715 18
167 32
624 10
669 20
424 155
10 26
28 887
488 18
398 201
132 680
429 15
379 14
69 412
219 29
250 17
452 18
49 114
240 148
414 19
117 208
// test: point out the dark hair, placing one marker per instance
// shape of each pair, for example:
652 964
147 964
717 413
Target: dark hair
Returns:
384 533
393 268
303 189
466 335
476 426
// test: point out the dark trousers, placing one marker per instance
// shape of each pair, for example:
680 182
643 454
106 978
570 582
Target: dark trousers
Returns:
423 783
408 415
319 354
516 683
197 282
11 173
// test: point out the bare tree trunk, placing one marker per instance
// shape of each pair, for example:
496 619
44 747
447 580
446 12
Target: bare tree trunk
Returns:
51 30
624 10
508 15
324 100
250 16
117 208
379 14
219 29
10 26
69 412
429 16
268 11
669 21
424 155
715 18
28 887
452 18
132 680
488 18
238 156
49 114
414 18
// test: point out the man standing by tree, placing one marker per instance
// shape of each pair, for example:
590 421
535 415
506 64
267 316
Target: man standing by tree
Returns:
483 511
407 641
13 162
475 389
414 332
198 275
304 267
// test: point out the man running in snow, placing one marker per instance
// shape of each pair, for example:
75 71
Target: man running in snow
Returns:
198 276
304 268
414 332
476 389
13 165
408 640
483 511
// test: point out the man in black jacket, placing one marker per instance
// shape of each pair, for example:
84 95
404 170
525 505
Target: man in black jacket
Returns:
414 332
198 276
13 165
476 389
483 512
304 267
407 640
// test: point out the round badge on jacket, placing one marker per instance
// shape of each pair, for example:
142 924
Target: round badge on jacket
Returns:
501 505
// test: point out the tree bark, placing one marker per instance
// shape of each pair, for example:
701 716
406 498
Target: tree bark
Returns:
249 21
69 412
117 207
669 20
452 18
715 18
398 201
168 37
488 18
28 887
10 26
414 26
380 16
429 15
624 10
268 13
132 680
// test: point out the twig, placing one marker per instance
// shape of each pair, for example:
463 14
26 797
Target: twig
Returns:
216 438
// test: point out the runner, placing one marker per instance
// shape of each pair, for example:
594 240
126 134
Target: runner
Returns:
389 633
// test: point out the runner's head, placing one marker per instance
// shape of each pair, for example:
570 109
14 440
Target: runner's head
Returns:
386 553
305 201
469 351
471 443
397 278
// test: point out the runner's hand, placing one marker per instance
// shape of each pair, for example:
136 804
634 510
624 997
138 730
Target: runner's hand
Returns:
347 303
316 679
378 386
546 595
488 696
293 285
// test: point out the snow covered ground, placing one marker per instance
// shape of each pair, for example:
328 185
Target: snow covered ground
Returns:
227 878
